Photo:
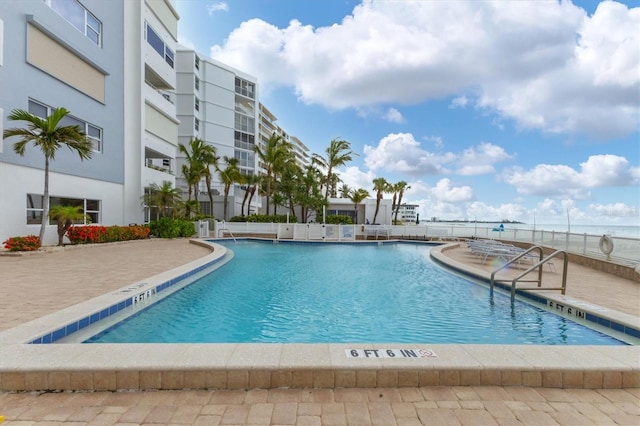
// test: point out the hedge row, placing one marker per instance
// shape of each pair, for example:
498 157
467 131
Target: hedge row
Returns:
106 234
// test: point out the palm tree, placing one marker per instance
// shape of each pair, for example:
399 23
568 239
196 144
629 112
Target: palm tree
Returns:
65 216
229 175
49 136
192 174
357 196
380 185
250 182
252 191
338 154
309 195
200 157
273 156
165 198
344 191
399 187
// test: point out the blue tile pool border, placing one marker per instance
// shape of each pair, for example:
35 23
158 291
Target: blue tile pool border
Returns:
94 317
588 316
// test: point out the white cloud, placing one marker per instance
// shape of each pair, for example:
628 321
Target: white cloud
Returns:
481 159
356 178
443 191
614 210
219 6
459 102
548 67
563 181
400 152
394 116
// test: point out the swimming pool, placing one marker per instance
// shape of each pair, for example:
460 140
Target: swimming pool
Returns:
349 293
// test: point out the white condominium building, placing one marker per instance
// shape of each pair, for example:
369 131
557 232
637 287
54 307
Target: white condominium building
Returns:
111 64
219 105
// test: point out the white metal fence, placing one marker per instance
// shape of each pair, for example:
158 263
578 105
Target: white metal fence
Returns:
626 251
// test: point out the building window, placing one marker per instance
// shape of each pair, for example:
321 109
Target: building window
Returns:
93 133
244 140
91 208
245 88
158 45
245 158
197 85
197 125
197 62
244 123
79 17
197 104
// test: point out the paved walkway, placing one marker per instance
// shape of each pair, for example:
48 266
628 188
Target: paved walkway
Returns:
34 285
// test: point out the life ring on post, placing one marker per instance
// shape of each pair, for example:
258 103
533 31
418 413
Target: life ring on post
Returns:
606 244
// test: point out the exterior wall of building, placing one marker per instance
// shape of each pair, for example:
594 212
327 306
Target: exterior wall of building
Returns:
218 105
56 64
408 213
365 211
150 120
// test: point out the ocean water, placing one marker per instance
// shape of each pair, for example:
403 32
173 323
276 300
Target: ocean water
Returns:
624 231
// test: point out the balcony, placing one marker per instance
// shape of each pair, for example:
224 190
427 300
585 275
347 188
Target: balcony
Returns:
156 170
157 71
161 99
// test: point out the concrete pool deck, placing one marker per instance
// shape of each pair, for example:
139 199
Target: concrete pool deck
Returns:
36 285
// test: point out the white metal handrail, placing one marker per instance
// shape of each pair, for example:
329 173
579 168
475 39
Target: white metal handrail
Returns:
538 266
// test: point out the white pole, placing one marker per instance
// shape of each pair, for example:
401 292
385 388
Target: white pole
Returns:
323 214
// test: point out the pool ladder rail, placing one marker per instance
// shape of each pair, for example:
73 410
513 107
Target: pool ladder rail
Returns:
541 261
223 229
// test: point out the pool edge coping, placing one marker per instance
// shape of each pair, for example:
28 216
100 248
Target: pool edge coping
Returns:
27 367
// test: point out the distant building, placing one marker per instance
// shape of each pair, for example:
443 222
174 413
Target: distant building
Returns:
218 104
408 213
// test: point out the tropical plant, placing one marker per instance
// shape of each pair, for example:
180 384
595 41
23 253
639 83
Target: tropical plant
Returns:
275 153
165 198
28 243
339 219
309 194
199 158
357 196
65 216
344 191
167 227
252 192
338 154
399 189
106 234
288 186
250 182
49 136
380 185
229 175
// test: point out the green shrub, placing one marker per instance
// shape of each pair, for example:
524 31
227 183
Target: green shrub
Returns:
186 228
106 234
168 227
264 218
337 219
28 243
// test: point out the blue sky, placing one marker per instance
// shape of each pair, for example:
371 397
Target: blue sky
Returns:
518 110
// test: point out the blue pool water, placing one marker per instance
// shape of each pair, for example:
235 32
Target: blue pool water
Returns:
333 293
